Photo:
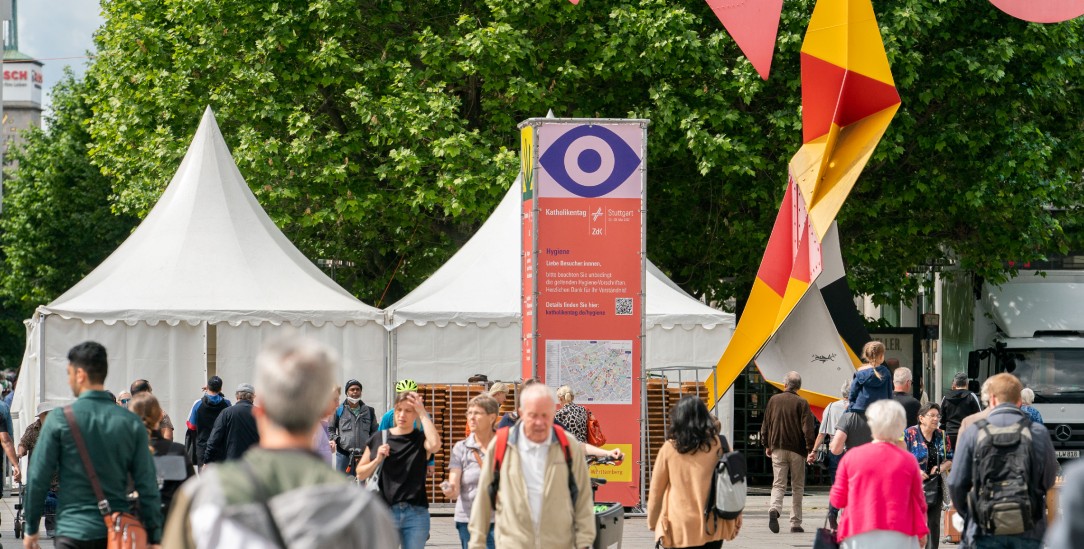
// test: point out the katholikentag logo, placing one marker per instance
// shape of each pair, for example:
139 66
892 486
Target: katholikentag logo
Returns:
1063 432
590 161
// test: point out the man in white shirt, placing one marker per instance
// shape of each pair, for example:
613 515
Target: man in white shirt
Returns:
532 513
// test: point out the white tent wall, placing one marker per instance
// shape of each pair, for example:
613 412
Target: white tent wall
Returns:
361 346
172 358
431 353
26 389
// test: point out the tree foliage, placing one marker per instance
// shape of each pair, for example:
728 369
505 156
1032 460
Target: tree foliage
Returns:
382 132
57 225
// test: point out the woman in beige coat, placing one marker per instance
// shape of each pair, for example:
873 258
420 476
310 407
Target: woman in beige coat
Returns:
681 480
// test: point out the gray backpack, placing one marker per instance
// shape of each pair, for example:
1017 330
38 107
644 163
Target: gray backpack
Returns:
726 499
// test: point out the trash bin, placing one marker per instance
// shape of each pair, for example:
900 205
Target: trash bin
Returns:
609 525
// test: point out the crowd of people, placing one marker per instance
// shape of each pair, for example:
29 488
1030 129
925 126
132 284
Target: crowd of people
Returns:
292 462
898 464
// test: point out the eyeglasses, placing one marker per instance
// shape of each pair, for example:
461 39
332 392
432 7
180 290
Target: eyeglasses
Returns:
933 416
125 400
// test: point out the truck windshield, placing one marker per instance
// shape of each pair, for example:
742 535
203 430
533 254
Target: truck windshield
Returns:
1056 375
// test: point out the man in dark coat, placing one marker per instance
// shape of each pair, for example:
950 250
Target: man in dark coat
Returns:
234 430
787 434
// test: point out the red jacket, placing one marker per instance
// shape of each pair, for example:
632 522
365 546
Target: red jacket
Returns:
880 488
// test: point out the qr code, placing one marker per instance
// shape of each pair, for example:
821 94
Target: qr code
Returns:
623 306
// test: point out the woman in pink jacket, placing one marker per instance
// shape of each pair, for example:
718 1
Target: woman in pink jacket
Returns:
879 488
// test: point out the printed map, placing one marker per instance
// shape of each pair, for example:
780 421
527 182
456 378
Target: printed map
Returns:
598 372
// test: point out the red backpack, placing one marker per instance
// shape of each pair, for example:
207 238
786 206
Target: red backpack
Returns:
501 448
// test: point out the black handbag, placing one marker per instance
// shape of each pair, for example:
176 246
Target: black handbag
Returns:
932 488
825 537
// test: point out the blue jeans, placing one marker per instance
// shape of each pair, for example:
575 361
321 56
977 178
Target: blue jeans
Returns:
413 524
1007 542
464 535
833 464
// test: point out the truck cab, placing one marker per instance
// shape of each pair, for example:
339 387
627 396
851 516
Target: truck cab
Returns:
1038 336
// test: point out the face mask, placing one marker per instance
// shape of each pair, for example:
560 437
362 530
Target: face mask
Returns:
353 401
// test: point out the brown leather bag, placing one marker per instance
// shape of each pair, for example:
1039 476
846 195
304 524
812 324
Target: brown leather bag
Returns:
124 530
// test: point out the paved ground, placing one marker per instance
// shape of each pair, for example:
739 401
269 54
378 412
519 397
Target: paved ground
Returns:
754 534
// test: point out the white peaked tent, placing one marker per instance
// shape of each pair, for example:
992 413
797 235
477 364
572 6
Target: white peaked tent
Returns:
203 281
465 319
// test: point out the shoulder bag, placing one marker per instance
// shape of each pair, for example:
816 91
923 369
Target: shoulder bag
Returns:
594 431
123 530
372 483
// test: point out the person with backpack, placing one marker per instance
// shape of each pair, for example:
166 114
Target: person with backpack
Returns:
681 481
145 405
957 405
879 488
535 481
873 381
201 420
280 493
235 429
1003 467
396 460
351 427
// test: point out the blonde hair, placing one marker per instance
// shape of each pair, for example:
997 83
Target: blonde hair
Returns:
497 388
872 350
565 394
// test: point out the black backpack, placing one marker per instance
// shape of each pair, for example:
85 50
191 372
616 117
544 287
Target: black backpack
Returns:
1001 501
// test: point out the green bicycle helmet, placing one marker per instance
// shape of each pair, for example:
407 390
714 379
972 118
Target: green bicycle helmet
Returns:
406 385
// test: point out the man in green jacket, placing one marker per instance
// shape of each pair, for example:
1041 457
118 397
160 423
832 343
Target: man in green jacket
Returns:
117 443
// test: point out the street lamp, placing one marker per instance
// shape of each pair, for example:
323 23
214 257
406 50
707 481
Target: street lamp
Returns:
334 264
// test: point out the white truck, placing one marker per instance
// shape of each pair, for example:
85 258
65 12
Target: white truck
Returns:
1033 327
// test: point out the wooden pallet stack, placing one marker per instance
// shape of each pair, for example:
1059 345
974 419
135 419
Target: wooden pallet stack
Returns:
657 418
447 405
436 403
459 396
661 397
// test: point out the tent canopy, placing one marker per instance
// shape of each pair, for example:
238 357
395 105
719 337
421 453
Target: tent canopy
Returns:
208 252
202 283
480 284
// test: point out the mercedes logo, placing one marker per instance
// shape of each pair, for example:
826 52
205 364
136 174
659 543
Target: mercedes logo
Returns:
1063 432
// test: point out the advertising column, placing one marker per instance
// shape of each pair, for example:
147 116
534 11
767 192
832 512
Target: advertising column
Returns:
583 275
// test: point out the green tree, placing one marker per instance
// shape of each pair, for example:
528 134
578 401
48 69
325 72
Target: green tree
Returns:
57 224
383 132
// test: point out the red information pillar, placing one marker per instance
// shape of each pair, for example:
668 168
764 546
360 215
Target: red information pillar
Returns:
583 276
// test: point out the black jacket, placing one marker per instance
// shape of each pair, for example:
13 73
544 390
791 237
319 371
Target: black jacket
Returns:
957 405
234 432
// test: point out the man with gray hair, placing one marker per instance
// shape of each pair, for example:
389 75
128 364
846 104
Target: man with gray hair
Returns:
543 498
280 493
235 429
904 386
787 434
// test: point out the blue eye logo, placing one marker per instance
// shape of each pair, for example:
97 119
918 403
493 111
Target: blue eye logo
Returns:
589 161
